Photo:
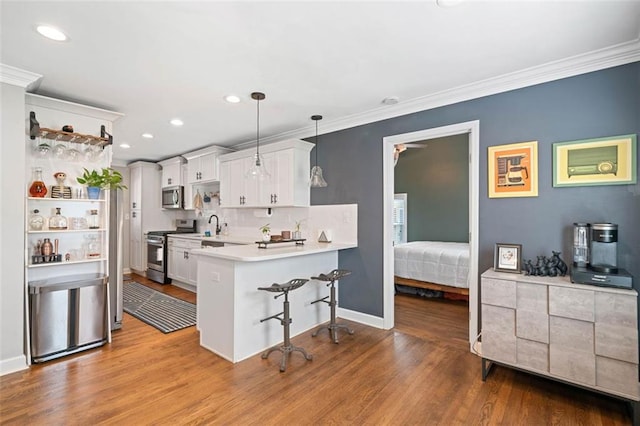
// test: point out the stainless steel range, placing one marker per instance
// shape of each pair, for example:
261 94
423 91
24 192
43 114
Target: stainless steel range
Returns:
157 250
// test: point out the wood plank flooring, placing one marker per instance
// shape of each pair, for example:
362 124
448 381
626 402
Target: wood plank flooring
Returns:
421 372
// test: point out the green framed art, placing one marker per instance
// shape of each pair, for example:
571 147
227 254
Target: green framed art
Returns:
602 161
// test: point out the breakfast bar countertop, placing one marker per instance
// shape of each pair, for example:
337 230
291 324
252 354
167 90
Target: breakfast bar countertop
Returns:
251 252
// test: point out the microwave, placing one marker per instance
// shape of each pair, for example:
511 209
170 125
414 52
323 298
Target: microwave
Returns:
173 197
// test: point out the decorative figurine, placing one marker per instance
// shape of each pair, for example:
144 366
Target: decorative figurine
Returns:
546 267
59 190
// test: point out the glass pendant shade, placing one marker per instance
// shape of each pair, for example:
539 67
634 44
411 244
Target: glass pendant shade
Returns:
317 181
257 169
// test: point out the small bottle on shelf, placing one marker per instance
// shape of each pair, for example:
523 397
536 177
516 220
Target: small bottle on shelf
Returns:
93 246
37 188
93 220
58 221
36 222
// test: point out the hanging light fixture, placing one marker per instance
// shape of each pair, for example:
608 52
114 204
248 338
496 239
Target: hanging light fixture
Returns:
317 181
257 169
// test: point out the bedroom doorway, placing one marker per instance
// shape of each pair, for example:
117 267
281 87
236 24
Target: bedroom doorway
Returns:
388 143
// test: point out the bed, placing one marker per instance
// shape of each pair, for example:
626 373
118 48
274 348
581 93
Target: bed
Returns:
433 265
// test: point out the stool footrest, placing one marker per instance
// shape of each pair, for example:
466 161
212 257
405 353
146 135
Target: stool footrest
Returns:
276 316
324 299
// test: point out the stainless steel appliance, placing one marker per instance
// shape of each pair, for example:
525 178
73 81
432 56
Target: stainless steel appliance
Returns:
116 229
68 314
597 264
173 197
157 250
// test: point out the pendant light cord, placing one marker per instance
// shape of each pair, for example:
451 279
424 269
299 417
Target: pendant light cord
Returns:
258 130
316 143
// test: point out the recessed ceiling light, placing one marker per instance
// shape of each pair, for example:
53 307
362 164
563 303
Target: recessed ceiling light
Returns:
232 99
125 146
448 3
147 135
176 122
51 33
391 100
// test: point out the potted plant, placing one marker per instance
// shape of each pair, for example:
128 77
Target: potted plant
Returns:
266 232
107 178
297 235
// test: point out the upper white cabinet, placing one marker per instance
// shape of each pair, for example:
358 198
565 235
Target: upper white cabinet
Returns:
203 164
172 171
287 185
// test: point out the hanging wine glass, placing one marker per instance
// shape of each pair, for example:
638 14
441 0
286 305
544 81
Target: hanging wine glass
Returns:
42 148
59 150
72 153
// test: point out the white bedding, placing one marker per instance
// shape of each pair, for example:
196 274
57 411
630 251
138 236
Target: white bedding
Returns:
433 261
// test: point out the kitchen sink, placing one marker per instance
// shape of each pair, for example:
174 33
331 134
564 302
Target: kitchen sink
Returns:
209 243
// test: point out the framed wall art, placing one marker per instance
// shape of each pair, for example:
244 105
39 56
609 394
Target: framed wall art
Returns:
603 161
513 170
507 258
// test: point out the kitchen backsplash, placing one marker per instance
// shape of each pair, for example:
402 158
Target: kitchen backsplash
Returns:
340 222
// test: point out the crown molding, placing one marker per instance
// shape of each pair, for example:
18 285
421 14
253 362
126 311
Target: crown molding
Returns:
72 107
18 77
609 57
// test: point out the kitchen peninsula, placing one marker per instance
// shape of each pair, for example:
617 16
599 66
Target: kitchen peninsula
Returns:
230 306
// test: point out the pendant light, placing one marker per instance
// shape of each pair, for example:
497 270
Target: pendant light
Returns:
257 169
317 181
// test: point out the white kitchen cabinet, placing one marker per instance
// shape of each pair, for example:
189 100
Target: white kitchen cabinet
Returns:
188 188
172 171
146 210
203 164
182 265
287 185
580 334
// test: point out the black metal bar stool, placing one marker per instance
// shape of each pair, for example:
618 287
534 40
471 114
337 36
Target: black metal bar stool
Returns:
333 326
285 320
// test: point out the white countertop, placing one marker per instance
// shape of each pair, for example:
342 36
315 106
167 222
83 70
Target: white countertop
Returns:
251 252
231 239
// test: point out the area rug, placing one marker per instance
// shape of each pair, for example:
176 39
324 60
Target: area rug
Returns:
163 312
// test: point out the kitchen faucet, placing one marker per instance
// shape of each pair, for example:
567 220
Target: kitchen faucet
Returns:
218 229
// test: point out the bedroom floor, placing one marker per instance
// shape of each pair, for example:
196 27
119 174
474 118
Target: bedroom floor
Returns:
419 373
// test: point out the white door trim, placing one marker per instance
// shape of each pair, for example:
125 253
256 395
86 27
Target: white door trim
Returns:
472 128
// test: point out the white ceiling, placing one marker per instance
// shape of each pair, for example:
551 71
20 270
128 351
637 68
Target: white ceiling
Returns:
154 61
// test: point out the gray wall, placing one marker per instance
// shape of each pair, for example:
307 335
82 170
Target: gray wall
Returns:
436 180
598 104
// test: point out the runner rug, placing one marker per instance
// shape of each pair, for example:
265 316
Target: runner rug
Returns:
159 310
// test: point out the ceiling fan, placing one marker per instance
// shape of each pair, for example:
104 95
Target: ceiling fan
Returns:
402 147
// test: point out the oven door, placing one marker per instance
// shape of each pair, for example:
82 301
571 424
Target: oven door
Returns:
155 253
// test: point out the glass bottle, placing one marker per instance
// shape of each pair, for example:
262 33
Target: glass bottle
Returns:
37 188
93 246
58 221
93 220
36 222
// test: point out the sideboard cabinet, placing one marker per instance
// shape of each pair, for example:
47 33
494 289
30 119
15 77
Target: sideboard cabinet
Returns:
579 334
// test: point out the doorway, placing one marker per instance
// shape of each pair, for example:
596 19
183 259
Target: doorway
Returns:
472 129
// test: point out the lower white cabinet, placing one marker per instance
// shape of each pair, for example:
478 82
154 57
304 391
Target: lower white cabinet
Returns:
182 265
581 334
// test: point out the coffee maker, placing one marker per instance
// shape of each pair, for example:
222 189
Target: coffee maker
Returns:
595 256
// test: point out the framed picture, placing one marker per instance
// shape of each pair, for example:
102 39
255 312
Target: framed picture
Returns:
603 161
507 258
513 170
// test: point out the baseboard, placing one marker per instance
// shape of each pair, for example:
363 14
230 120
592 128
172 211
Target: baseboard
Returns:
365 319
184 286
11 365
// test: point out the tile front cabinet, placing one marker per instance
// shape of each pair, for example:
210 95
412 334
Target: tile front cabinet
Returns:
580 334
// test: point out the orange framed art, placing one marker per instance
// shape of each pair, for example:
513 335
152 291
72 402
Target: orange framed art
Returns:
513 170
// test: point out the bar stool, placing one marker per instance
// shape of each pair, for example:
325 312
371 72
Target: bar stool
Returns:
333 326
285 321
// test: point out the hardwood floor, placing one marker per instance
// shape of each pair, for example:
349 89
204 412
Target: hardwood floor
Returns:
421 372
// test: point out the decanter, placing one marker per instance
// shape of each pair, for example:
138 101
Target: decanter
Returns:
37 188
58 221
93 220
36 221
93 246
